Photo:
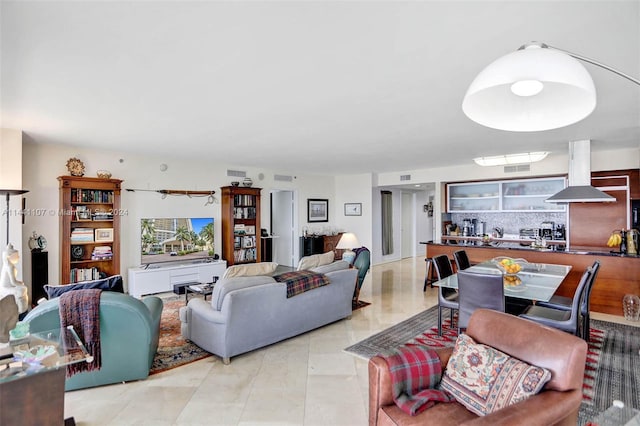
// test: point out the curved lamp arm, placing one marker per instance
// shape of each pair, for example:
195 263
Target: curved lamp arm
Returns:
586 59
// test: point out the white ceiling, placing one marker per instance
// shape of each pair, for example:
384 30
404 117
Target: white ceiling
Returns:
313 86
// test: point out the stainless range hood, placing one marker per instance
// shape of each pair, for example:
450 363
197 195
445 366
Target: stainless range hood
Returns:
580 189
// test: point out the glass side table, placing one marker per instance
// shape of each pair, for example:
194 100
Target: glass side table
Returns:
617 416
32 376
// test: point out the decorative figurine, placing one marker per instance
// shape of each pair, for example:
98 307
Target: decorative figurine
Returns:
9 284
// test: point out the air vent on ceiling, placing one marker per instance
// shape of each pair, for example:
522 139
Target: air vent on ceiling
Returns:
236 173
283 178
405 177
517 168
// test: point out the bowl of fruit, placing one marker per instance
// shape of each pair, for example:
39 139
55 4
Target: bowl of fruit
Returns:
508 266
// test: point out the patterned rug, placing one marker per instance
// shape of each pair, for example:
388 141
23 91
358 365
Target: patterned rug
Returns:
612 370
173 350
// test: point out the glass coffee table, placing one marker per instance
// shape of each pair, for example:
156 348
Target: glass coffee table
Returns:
617 415
36 364
204 289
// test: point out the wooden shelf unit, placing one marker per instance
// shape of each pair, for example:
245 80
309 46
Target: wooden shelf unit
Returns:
241 208
94 195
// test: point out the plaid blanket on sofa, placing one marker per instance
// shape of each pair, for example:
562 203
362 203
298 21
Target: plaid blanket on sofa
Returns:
300 281
415 372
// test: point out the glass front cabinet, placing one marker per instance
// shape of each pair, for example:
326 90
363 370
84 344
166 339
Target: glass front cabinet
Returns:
507 196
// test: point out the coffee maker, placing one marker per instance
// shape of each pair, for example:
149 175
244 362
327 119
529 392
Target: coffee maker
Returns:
547 230
560 234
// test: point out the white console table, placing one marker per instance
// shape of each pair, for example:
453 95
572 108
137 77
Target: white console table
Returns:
162 278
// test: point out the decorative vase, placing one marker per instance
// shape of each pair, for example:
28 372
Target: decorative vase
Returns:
631 307
247 182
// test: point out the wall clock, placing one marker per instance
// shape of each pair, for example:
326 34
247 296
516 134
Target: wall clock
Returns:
37 242
77 252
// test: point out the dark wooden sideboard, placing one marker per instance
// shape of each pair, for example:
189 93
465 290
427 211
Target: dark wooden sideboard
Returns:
617 277
318 244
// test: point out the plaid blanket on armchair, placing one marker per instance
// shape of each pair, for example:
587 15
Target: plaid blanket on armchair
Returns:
300 281
415 372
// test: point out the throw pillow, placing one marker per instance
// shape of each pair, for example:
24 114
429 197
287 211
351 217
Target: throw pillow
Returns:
112 283
309 262
484 379
250 269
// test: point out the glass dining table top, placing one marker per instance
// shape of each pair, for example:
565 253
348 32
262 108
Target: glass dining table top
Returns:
535 281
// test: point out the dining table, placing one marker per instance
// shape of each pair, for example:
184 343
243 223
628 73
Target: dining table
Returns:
536 281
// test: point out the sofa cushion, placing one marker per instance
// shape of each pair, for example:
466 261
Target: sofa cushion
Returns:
338 265
309 262
484 380
250 269
227 285
112 283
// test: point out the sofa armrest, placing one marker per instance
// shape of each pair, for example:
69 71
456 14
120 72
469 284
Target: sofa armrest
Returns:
546 408
204 311
380 391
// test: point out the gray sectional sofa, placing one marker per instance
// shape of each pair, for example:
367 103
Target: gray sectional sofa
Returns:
246 313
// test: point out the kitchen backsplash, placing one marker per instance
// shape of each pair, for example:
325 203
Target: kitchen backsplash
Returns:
511 223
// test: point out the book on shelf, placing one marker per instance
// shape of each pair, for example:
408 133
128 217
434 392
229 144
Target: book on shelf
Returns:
82 235
84 274
102 253
239 229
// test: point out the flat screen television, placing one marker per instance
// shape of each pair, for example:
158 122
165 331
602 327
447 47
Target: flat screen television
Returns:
176 239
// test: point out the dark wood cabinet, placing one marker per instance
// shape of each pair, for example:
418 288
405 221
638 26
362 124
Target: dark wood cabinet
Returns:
241 225
318 244
39 275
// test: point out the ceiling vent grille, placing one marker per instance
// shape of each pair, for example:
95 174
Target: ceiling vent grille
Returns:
517 168
236 173
283 178
405 177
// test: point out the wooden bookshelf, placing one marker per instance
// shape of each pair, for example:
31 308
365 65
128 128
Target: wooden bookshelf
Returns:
89 214
241 225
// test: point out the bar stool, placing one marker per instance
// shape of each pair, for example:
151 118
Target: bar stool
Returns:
430 276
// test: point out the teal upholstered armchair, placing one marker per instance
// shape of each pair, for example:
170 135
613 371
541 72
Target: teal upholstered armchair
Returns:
129 332
362 263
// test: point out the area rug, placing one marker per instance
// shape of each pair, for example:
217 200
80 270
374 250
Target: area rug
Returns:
612 371
173 350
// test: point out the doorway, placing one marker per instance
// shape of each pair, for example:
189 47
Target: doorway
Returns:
283 226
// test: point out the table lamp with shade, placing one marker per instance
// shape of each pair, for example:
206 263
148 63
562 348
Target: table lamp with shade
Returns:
348 242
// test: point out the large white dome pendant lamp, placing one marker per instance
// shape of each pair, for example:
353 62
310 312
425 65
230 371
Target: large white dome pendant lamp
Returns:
538 87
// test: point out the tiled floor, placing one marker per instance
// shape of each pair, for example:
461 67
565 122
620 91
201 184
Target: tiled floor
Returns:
306 380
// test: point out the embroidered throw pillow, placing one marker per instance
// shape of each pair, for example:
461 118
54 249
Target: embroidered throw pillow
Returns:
112 283
484 380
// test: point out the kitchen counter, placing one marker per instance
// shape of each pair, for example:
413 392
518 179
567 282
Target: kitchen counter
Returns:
617 277
514 244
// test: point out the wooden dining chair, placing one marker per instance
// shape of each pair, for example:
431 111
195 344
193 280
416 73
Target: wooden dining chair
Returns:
564 303
568 321
447 297
462 260
477 290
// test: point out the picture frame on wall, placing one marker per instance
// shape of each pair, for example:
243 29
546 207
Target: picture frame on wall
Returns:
317 210
353 209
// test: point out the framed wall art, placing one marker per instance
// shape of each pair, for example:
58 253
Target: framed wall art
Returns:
317 210
104 235
353 209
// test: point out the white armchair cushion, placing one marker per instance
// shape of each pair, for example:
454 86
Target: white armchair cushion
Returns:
309 262
250 269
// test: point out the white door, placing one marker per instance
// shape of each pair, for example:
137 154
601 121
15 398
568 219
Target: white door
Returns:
408 225
282 227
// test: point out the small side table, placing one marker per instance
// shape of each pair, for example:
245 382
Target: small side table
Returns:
617 416
32 390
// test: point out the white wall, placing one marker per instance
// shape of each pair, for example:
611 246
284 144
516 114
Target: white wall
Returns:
354 189
11 178
44 163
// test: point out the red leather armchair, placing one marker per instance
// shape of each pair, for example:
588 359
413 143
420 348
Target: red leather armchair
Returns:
558 403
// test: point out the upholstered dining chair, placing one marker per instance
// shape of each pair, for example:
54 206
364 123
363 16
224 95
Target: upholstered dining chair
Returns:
564 303
475 291
462 260
447 297
568 321
362 263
